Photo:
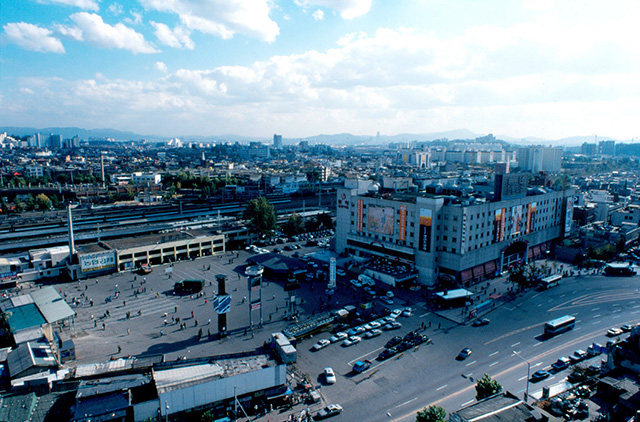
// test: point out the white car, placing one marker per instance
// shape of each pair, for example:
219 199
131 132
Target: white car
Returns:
373 333
341 272
614 332
390 294
395 313
329 376
321 344
351 341
337 337
407 312
355 283
374 324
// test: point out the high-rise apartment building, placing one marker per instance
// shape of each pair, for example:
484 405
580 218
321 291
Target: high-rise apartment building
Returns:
538 158
277 141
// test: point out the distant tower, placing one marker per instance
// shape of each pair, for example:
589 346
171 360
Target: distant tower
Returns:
277 141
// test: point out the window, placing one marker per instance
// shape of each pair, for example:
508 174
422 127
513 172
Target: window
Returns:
444 238
454 239
453 250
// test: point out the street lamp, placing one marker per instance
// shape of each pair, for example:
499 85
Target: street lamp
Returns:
526 394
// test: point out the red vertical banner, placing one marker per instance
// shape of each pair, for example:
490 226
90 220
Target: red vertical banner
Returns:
531 213
402 233
425 230
502 223
359 215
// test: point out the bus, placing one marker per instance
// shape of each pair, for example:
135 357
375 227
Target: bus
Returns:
619 270
559 325
551 281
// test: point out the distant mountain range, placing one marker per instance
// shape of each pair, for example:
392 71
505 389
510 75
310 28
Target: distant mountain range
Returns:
336 139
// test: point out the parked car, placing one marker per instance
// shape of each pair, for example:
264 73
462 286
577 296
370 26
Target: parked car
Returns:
578 356
374 324
626 328
389 294
594 350
327 412
321 344
560 364
421 339
405 345
351 341
341 272
385 299
329 375
539 375
356 330
387 353
480 322
464 353
395 313
612 332
338 336
394 341
373 333
407 312
392 326
355 283
369 290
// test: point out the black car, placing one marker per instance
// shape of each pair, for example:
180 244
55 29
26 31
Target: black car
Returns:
405 345
393 342
387 353
421 339
412 335
480 322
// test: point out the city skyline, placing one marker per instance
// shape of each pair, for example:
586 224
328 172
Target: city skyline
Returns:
305 67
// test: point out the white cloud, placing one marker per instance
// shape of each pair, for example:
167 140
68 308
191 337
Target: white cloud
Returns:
32 37
221 18
135 19
348 9
115 9
318 15
103 35
161 66
70 32
176 38
82 4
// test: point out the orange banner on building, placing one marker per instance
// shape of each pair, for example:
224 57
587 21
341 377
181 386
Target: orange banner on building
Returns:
359 210
402 233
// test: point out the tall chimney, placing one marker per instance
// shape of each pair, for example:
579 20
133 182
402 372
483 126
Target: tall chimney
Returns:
102 169
72 247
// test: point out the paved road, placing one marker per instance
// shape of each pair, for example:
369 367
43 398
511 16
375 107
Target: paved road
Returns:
431 375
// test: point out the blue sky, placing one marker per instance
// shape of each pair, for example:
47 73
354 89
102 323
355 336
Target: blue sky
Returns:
520 68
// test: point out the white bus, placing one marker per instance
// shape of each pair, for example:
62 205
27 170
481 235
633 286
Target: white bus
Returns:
559 325
551 281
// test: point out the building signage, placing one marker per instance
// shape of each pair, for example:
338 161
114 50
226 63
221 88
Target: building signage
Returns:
402 232
332 274
97 261
380 220
359 212
568 218
425 230
531 213
516 220
222 304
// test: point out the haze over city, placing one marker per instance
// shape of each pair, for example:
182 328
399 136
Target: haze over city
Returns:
306 67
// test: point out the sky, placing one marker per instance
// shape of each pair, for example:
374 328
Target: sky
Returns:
519 68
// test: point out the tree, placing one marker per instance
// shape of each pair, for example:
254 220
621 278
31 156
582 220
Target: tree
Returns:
261 214
294 225
43 201
207 416
487 387
431 414
517 276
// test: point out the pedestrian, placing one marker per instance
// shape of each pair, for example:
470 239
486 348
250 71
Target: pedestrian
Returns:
103 326
429 324
95 323
161 333
175 309
209 322
191 314
128 331
119 349
439 325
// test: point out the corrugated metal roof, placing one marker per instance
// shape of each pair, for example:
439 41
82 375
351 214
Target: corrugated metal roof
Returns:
24 317
21 300
51 305
175 378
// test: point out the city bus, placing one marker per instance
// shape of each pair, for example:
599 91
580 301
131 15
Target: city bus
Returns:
559 325
619 270
551 281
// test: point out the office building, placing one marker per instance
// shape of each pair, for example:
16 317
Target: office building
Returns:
465 237
277 141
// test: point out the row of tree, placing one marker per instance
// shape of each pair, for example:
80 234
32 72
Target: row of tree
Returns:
485 387
262 217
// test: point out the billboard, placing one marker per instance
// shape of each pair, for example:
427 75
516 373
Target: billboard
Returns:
516 220
255 282
360 206
568 217
380 220
531 213
425 230
498 223
97 261
402 232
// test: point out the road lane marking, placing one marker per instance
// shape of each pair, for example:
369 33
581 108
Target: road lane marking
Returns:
595 309
597 316
537 364
466 403
440 388
596 322
537 344
522 378
470 363
424 315
494 353
615 316
515 344
494 363
407 402
350 363
539 305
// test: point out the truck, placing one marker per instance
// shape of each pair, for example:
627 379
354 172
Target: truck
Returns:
361 366
188 286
